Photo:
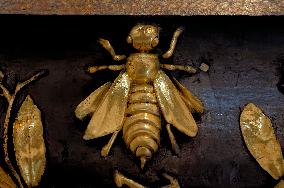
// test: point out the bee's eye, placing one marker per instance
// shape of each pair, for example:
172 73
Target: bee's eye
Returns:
140 29
129 39
155 41
149 30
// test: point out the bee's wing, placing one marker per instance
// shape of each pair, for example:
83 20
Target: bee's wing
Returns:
261 141
192 102
110 113
90 104
172 105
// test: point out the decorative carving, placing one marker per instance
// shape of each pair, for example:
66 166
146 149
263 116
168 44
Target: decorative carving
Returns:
31 116
139 96
28 143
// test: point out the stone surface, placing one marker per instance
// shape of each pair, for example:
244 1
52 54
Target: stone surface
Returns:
143 7
244 57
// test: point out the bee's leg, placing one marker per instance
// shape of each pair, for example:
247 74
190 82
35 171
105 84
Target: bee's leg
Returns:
175 146
170 51
121 180
94 69
185 68
174 182
106 44
106 148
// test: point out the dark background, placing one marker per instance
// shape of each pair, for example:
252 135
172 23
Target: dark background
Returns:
246 55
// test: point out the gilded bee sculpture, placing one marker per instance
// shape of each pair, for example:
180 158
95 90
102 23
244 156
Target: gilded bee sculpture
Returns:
139 97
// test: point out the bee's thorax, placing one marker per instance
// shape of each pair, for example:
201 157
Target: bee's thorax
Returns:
142 67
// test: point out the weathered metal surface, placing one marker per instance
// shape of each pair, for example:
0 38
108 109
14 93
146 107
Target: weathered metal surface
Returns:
143 7
243 54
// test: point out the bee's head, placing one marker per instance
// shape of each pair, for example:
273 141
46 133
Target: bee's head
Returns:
144 37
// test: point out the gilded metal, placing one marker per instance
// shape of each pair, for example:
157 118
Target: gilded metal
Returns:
108 47
261 141
121 180
90 104
29 143
140 95
5 180
172 139
191 101
280 184
108 116
10 97
170 52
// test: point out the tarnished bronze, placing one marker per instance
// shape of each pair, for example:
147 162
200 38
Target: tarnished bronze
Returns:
121 180
140 95
261 141
5 180
11 99
29 143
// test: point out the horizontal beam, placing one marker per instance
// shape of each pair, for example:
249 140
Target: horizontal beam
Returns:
143 7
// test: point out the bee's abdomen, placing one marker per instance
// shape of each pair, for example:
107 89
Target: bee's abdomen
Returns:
141 129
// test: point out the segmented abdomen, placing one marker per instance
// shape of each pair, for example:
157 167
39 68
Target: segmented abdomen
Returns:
141 129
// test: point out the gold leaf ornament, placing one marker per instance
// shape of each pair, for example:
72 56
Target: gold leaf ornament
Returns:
5 180
261 141
139 97
29 143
